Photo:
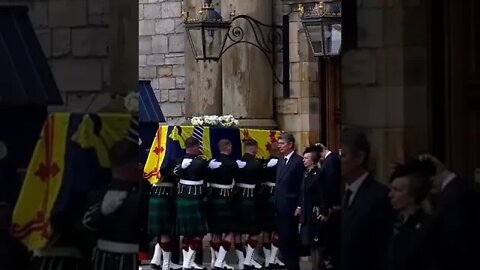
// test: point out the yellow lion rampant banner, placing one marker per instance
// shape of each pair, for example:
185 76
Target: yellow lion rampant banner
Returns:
71 155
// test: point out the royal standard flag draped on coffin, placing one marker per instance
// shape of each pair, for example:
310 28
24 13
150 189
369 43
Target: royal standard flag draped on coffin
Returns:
69 160
169 145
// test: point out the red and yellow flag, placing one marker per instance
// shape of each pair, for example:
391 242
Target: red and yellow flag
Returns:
151 171
264 138
42 184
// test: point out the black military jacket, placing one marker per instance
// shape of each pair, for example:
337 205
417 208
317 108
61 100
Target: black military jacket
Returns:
128 223
196 172
252 172
270 173
225 174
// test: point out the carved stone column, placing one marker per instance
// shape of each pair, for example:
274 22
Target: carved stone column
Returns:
203 80
246 74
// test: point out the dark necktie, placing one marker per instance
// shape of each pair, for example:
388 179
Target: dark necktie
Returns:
346 198
285 161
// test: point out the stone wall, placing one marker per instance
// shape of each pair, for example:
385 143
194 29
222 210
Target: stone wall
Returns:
384 86
74 38
300 113
161 54
162 59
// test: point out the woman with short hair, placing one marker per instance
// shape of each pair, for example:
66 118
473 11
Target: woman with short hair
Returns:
410 244
312 208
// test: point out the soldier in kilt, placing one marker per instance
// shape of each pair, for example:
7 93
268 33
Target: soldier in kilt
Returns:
191 223
267 210
161 220
121 212
247 215
221 220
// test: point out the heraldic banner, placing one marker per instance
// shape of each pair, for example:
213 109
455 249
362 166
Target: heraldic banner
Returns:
69 160
169 144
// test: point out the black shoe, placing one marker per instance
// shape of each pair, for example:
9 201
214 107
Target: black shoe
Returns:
155 267
276 266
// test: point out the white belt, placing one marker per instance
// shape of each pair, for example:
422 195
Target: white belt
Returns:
164 185
191 183
220 186
58 252
117 247
270 184
242 185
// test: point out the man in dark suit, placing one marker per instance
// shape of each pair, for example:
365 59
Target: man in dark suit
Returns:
456 217
367 216
289 178
331 172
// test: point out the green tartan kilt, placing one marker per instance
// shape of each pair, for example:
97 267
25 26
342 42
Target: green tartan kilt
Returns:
161 215
248 220
190 217
267 213
220 215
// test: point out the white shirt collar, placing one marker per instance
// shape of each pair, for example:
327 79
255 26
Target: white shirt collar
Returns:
356 185
288 156
449 179
328 153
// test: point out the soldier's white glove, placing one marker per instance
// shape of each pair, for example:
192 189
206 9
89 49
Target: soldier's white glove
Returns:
213 164
241 164
186 162
112 200
272 162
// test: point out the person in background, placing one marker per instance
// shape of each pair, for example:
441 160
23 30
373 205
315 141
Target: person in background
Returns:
266 204
191 222
245 204
162 220
287 190
313 209
220 213
331 172
411 240
119 214
456 218
367 215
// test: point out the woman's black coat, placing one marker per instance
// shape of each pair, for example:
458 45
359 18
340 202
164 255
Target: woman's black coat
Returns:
312 197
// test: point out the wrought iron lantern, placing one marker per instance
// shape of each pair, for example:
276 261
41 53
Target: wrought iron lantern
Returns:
210 36
322 23
206 33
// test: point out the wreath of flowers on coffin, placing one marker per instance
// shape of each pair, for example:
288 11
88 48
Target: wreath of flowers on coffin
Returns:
215 120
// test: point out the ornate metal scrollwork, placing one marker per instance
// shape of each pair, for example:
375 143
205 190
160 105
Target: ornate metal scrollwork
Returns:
265 40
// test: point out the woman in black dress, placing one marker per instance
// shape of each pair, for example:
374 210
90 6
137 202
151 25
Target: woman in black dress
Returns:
312 208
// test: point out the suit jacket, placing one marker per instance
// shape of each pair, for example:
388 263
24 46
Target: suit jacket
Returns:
456 226
332 175
366 225
287 189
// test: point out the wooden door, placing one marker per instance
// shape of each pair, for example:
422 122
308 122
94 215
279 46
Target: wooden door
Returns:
334 123
330 89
